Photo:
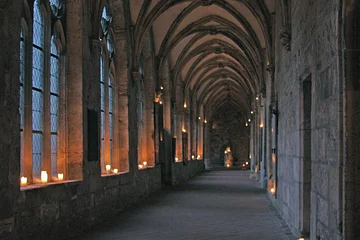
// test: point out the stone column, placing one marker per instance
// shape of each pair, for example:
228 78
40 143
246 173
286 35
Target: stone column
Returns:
9 118
121 131
75 79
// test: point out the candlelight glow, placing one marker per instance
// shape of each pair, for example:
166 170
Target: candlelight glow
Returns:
261 125
272 190
301 238
60 176
23 181
161 102
184 130
247 163
246 124
145 164
205 121
108 168
199 118
228 165
44 177
185 106
252 112
198 157
140 166
249 120
192 157
257 98
176 159
161 87
116 170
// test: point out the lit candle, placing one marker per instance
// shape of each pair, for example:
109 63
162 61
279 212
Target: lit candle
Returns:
116 170
184 130
261 125
44 177
108 168
23 181
199 157
205 121
140 166
192 157
160 102
185 106
228 165
272 190
247 163
60 176
176 159
145 164
161 87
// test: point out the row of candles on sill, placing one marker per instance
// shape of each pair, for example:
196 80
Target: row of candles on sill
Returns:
43 178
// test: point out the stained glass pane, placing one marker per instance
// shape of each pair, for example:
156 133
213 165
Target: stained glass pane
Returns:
111 125
38 68
38 26
102 96
37 111
54 75
54 108
102 125
110 99
37 147
54 155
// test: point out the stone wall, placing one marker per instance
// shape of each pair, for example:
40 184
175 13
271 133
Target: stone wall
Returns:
226 130
310 162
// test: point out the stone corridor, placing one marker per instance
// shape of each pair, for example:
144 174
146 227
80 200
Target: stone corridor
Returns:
221 204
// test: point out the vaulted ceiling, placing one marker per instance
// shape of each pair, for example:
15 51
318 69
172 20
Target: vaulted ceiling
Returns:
217 48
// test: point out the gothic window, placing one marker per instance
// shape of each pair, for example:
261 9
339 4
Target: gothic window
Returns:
22 94
106 93
40 91
37 89
54 104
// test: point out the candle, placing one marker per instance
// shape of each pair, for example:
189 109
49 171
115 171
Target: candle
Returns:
227 165
23 181
108 168
272 190
116 170
60 176
192 157
145 164
140 166
44 177
199 157
176 159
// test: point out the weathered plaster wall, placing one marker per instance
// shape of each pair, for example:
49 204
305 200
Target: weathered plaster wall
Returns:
313 56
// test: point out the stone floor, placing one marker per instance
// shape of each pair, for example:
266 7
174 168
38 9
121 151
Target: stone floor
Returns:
219 204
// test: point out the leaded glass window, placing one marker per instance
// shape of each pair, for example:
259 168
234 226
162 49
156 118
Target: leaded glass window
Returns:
37 89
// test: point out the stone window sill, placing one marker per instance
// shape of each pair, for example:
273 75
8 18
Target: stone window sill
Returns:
43 185
113 174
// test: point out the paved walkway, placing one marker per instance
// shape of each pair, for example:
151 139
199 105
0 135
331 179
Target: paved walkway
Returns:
222 205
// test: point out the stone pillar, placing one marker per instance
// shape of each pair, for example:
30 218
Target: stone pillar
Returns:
9 118
75 79
121 131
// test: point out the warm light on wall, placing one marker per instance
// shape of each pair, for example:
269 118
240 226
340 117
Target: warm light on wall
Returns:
60 176
116 170
108 168
272 190
23 181
44 177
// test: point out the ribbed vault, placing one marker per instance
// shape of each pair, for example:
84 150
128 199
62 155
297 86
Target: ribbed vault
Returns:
216 50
